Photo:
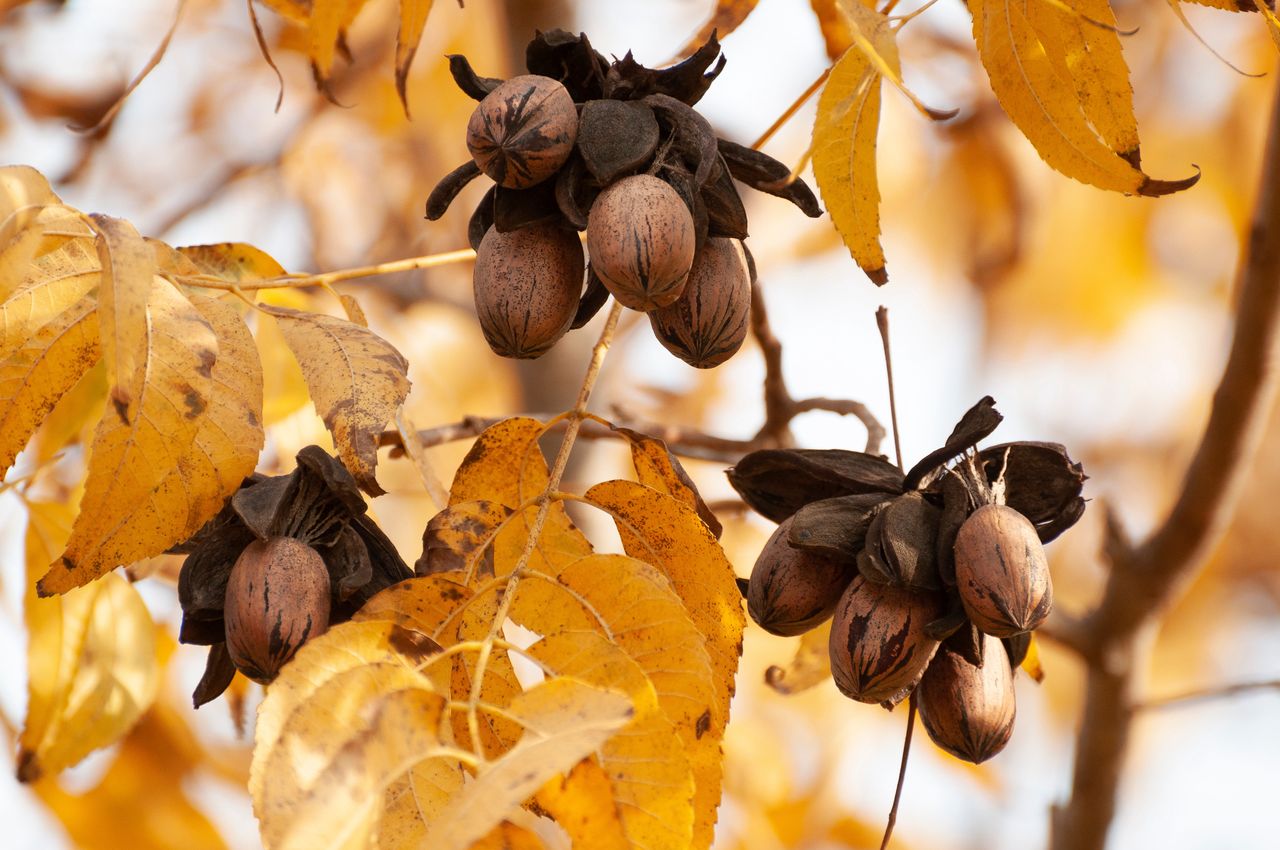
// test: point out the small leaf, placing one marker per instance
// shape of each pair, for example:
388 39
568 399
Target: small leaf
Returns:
91 658
138 493
565 721
232 261
36 376
658 468
506 466
128 269
844 158
413 20
810 666
54 283
1029 83
356 379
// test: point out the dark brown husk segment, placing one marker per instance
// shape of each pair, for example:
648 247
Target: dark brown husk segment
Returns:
950 553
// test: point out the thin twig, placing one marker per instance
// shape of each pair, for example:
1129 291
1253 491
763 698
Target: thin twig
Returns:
328 278
882 322
575 418
791 110
1147 579
1207 694
780 409
902 771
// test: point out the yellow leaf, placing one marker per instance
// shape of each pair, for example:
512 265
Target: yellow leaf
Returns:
875 39
413 20
1032 664
727 17
329 20
506 466
137 494
565 721
658 468
36 376
634 605
53 284
229 434
810 666
1081 40
91 659
460 539
130 807
234 262
837 33
128 271
337 651
355 313
1044 105
638 790
356 379
844 158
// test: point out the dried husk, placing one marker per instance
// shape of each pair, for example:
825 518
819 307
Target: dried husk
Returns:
1041 482
1002 574
878 646
835 527
793 590
641 239
277 599
778 482
616 137
708 323
907 540
966 709
527 287
523 131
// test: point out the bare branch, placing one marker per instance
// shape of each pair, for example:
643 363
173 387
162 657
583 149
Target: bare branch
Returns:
1208 694
1148 578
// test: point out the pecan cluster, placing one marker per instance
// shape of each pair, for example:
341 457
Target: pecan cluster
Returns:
286 557
935 578
615 149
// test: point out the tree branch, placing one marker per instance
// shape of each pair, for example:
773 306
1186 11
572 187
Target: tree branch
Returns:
1146 579
780 408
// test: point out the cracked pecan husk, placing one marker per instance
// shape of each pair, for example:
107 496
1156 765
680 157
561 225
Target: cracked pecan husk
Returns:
317 504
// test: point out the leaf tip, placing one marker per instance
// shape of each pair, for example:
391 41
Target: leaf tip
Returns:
879 276
28 769
1156 188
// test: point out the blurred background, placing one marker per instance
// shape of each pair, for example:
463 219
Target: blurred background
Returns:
1095 320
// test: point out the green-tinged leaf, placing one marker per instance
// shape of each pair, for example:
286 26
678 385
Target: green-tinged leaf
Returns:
91 659
356 378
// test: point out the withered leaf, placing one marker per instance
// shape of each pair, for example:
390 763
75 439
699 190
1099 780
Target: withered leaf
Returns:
778 482
977 422
616 137
356 379
460 538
